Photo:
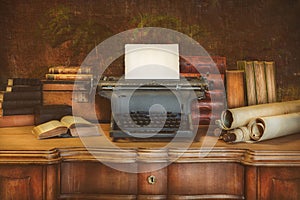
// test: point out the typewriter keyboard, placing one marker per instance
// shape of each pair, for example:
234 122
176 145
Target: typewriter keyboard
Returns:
143 122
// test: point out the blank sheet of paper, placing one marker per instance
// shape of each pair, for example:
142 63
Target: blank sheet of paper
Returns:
151 61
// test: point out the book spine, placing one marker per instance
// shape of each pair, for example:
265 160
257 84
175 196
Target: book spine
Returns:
23 81
235 88
241 64
260 82
16 120
64 97
53 109
17 111
204 118
250 83
215 95
203 106
69 76
19 104
270 79
55 85
70 70
23 88
203 64
34 95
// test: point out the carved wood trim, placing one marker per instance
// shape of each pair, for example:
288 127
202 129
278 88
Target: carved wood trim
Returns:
30 157
131 155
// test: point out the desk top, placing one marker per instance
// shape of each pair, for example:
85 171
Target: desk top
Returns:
18 145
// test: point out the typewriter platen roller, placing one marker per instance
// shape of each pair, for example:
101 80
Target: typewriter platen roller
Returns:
152 109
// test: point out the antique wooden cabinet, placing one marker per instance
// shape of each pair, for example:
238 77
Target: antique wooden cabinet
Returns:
63 169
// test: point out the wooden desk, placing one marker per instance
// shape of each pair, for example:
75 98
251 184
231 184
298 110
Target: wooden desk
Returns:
64 169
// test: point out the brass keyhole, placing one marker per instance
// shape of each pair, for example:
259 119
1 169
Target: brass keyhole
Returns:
151 179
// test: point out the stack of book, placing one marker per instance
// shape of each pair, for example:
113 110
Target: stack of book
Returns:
72 86
260 81
17 103
66 84
205 112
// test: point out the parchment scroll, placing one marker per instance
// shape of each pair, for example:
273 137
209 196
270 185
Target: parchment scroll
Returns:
264 128
238 117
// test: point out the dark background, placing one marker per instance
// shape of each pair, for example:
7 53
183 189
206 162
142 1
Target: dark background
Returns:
38 34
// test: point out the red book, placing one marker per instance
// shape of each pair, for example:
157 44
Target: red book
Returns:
203 64
207 106
204 118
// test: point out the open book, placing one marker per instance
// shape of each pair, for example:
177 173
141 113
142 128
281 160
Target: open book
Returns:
77 126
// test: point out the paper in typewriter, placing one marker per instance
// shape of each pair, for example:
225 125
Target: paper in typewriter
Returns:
151 61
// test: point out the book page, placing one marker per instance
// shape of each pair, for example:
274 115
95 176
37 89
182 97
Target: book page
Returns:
49 129
70 121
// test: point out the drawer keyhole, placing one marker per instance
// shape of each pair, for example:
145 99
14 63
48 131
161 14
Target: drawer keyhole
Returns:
151 179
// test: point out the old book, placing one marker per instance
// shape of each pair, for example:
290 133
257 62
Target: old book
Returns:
23 81
19 103
271 81
16 120
69 76
207 106
235 88
216 95
260 82
23 88
241 65
57 128
46 113
30 95
60 85
203 64
70 70
250 83
204 118
17 111
65 97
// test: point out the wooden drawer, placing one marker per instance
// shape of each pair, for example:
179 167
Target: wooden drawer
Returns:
206 180
96 178
279 183
21 182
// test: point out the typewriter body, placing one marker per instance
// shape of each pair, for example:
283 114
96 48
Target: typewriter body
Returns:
152 109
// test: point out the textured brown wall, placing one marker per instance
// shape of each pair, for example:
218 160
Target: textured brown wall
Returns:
246 29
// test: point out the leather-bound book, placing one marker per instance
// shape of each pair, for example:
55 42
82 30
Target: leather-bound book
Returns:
43 114
23 88
17 111
250 83
260 82
69 76
207 106
70 70
65 85
29 95
19 103
204 118
235 88
23 81
271 81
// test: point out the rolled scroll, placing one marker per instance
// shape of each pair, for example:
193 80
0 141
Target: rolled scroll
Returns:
240 134
264 128
237 117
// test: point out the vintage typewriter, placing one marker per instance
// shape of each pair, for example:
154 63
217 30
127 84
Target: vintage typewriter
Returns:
151 108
